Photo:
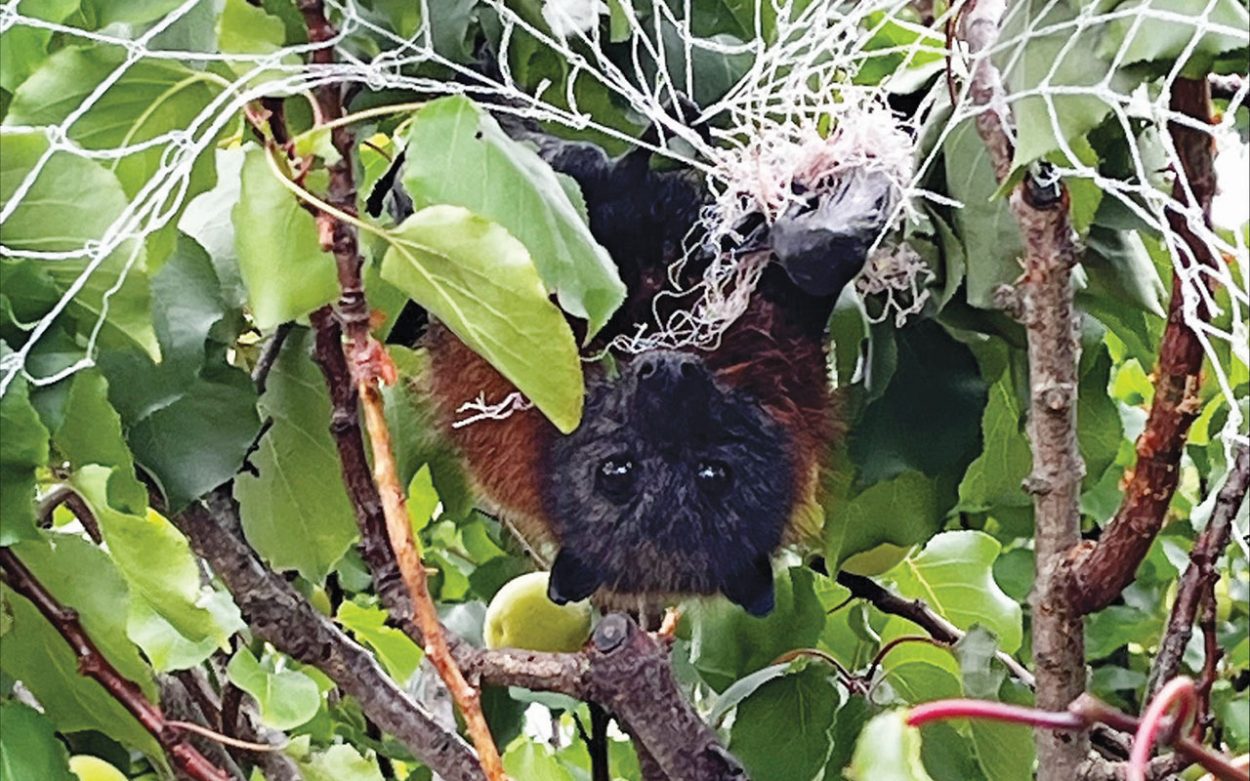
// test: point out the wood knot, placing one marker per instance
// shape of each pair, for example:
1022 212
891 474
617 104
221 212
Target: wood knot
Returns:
611 633
1037 485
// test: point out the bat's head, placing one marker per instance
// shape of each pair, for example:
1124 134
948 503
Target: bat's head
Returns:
674 482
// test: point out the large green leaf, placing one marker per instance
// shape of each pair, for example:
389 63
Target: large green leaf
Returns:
48 219
286 272
156 561
102 13
727 643
782 731
35 653
150 98
1166 29
954 575
81 576
458 155
1056 66
287 698
295 510
481 283
23 449
28 745
23 48
993 479
902 511
888 750
189 419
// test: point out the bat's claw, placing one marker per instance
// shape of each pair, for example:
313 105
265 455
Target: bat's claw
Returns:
668 627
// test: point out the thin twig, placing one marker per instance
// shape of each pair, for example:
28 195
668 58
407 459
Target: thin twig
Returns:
366 356
920 614
1105 568
66 495
93 664
1200 576
269 355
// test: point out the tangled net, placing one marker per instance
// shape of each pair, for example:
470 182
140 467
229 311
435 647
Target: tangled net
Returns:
802 111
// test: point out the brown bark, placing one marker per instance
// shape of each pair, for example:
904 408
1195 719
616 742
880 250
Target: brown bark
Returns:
1046 298
1104 569
1200 576
93 664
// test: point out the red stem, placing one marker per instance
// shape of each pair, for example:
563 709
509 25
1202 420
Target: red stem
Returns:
939 710
1179 693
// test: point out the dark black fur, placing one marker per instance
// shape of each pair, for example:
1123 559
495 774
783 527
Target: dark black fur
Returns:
704 468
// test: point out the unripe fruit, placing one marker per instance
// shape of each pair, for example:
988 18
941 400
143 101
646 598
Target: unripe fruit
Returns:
521 616
89 768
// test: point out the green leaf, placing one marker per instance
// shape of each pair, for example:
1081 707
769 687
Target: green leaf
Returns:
40 222
287 698
512 186
531 759
927 418
397 652
91 433
782 731
1066 58
165 647
902 511
989 232
152 97
190 419
993 479
727 643
244 28
888 750
954 575
295 509
36 654
156 561
286 272
24 48
480 282
29 747
339 763
1163 30
131 12
23 449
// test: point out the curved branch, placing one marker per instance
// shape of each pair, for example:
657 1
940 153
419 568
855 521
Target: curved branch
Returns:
93 664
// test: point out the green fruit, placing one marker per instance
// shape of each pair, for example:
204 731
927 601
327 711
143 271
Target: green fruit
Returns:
89 768
876 560
521 616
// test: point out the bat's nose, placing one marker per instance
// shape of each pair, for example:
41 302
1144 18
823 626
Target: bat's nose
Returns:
669 370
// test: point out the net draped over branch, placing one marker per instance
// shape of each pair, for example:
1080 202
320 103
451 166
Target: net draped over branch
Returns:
799 94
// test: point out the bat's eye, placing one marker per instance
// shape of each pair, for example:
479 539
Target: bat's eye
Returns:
616 477
714 476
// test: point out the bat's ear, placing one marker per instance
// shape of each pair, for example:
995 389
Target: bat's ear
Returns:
571 580
823 242
752 588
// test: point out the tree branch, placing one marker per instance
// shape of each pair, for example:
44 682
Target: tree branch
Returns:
277 613
1040 207
920 614
1201 574
369 362
1105 568
93 664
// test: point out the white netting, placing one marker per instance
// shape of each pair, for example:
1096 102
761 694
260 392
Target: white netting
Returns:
798 113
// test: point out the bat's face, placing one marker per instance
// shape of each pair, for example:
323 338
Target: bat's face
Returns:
674 483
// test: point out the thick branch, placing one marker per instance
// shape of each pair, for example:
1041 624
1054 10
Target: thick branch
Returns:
920 614
276 612
93 664
1110 565
1046 292
1201 573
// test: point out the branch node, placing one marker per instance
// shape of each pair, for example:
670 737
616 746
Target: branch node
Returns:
611 633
